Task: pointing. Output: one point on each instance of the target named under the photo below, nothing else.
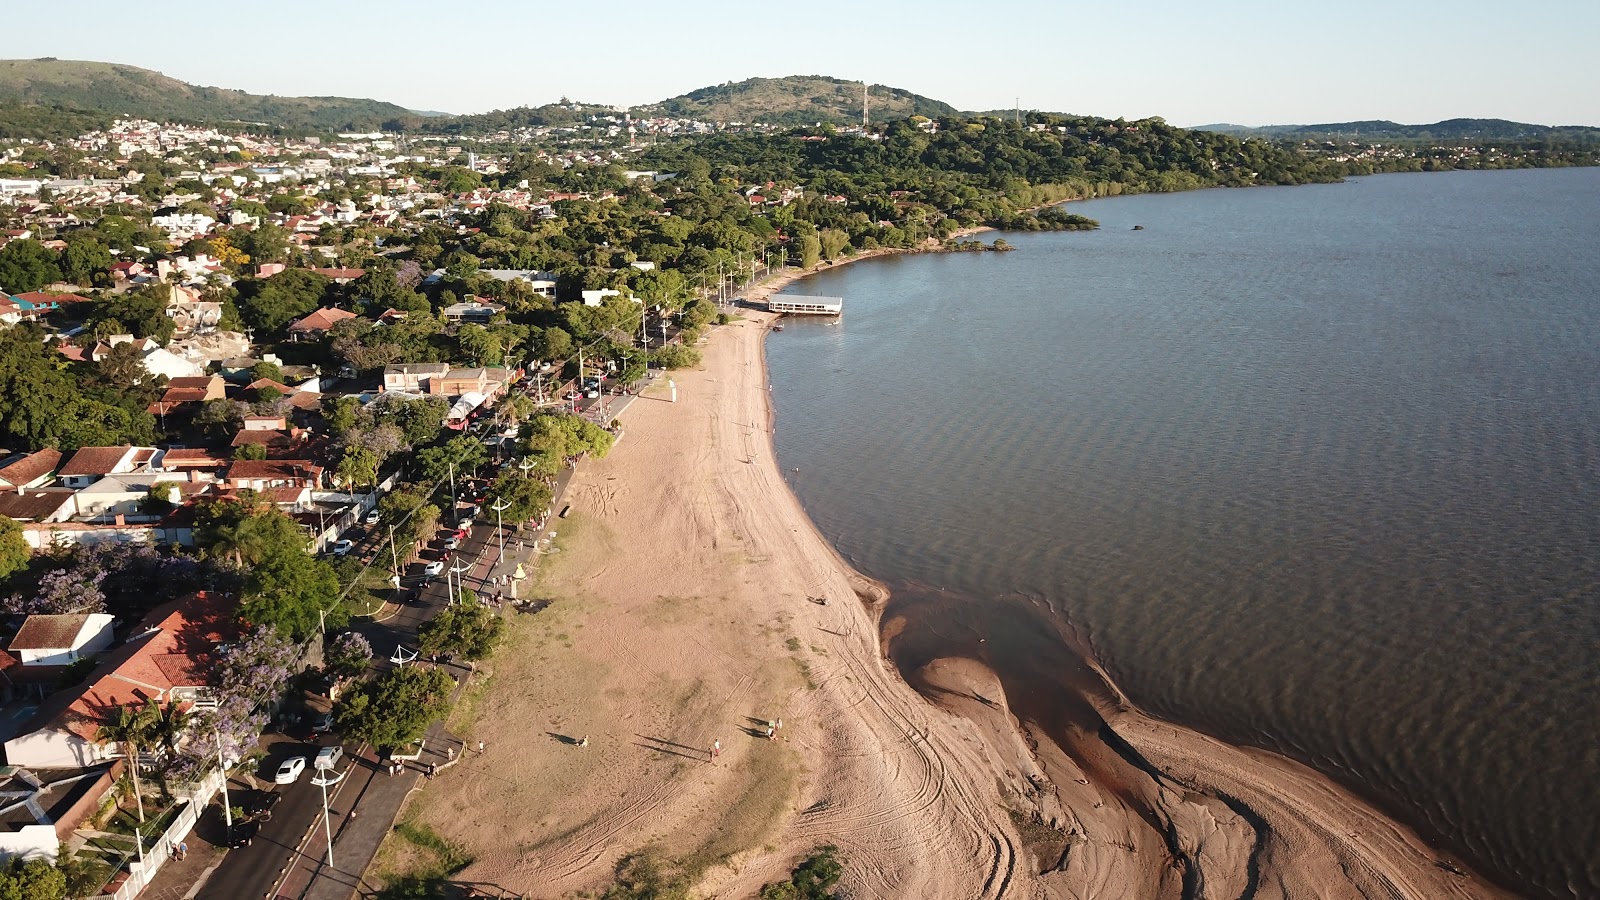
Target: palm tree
(132, 728)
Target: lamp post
(461, 584)
(499, 526)
(323, 780)
(227, 809)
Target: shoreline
(684, 609)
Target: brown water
(1315, 469)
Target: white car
(343, 547)
(434, 568)
(289, 772)
(372, 517)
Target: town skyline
(1222, 64)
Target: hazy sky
(1191, 61)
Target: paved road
(249, 871)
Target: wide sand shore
(685, 609)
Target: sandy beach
(692, 601)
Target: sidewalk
(377, 798)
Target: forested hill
(1447, 130)
(114, 89)
(796, 100)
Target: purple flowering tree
(348, 656)
(251, 674)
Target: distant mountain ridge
(118, 89)
(797, 100)
(1385, 130)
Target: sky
(1196, 62)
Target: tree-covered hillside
(131, 91)
(796, 100)
(1447, 130)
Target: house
(167, 660)
(185, 394)
(38, 504)
(316, 324)
(474, 311)
(340, 276)
(117, 499)
(31, 469)
(90, 464)
(595, 298)
(43, 807)
(191, 460)
(413, 378)
(62, 640)
(261, 474)
(489, 382)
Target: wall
(52, 749)
(30, 842)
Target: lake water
(1315, 469)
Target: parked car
(244, 833)
(261, 804)
(323, 722)
(452, 542)
(434, 568)
(373, 516)
(328, 757)
(592, 393)
(289, 772)
(343, 547)
(465, 524)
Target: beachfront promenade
(290, 860)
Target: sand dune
(685, 611)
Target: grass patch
(449, 857)
(793, 644)
(805, 673)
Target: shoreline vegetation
(694, 601)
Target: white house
(62, 640)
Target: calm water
(1315, 469)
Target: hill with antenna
(796, 100)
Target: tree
(223, 416)
(268, 370)
(395, 708)
(293, 592)
(358, 466)
(141, 313)
(27, 265)
(462, 455)
(14, 549)
(810, 250)
(250, 451)
(32, 879)
(85, 257)
(813, 879)
(272, 304)
(348, 656)
(34, 388)
(131, 729)
(469, 629)
(518, 497)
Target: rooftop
(32, 466)
(94, 460)
(42, 632)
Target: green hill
(1447, 130)
(796, 100)
(131, 91)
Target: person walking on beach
(716, 748)
(450, 753)
(583, 741)
(772, 733)
(480, 746)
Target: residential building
(28, 470)
(473, 311)
(62, 640)
(90, 464)
(413, 378)
(316, 324)
(167, 660)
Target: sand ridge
(684, 611)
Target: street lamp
(325, 778)
(460, 582)
(499, 526)
(227, 809)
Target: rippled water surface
(1315, 468)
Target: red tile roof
(40, 632)
(321, 320)
(32, 466)
(94, 460)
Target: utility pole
(394, 556)
(227, 809)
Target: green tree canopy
(270, 305)
(462, 454)
(27, 265)
(395, 708)
(468, 629)
(517, 496)
(14, 549)
(33, 879)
